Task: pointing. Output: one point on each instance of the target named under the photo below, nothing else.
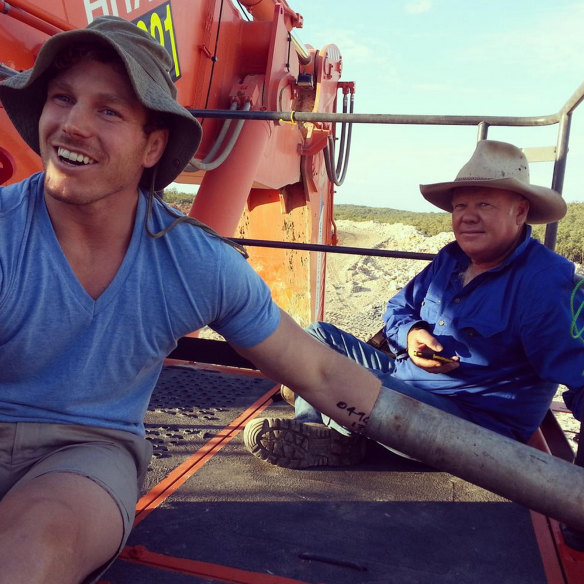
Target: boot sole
(291, 444)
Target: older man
(483, 332)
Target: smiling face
(92, 139)
(487, 223)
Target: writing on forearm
(361, 418)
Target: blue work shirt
(511, 328)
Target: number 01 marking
(161, 28)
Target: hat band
(477, 178)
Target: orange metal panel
(224, 191)
(287, 272)
(22, 160)
(562, 564)
(218, 56)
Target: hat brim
(23, 97)
(545, 205)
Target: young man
(90, 304)
(482, 333)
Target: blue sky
(449, 57)
(488, 57)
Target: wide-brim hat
(499, 165)
(147, 64)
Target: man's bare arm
(332, 383)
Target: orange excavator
(274, 149)
(259, 179)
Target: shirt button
(457, 300)
(441, 322)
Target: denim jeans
(379, 363)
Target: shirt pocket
(431, 308)
(488, 337)
(483, 327)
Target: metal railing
(562, 119)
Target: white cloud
(418, 6)
(552, 40)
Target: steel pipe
(407, 119)
(523, 474)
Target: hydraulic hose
(336, 174)
(207, 163)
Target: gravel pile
(358, 287)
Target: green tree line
(570, 237)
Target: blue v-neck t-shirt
(68, 358)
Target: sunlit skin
(92, 115)
(61, 526)
(488, 225)
(92, 110)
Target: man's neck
(94, 239)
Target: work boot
(287, 395)
(292, 444)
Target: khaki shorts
(115, 460)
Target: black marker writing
(357, 426)
(352, 411)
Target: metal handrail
(364, 251)
(403, 119)
(563, 118)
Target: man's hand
(421, 341)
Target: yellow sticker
(158, 22)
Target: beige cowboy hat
(499, 165)
(147, 64)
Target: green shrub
(570, 238)
(429, 224)
(172, 195)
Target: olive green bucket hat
(147, 64)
